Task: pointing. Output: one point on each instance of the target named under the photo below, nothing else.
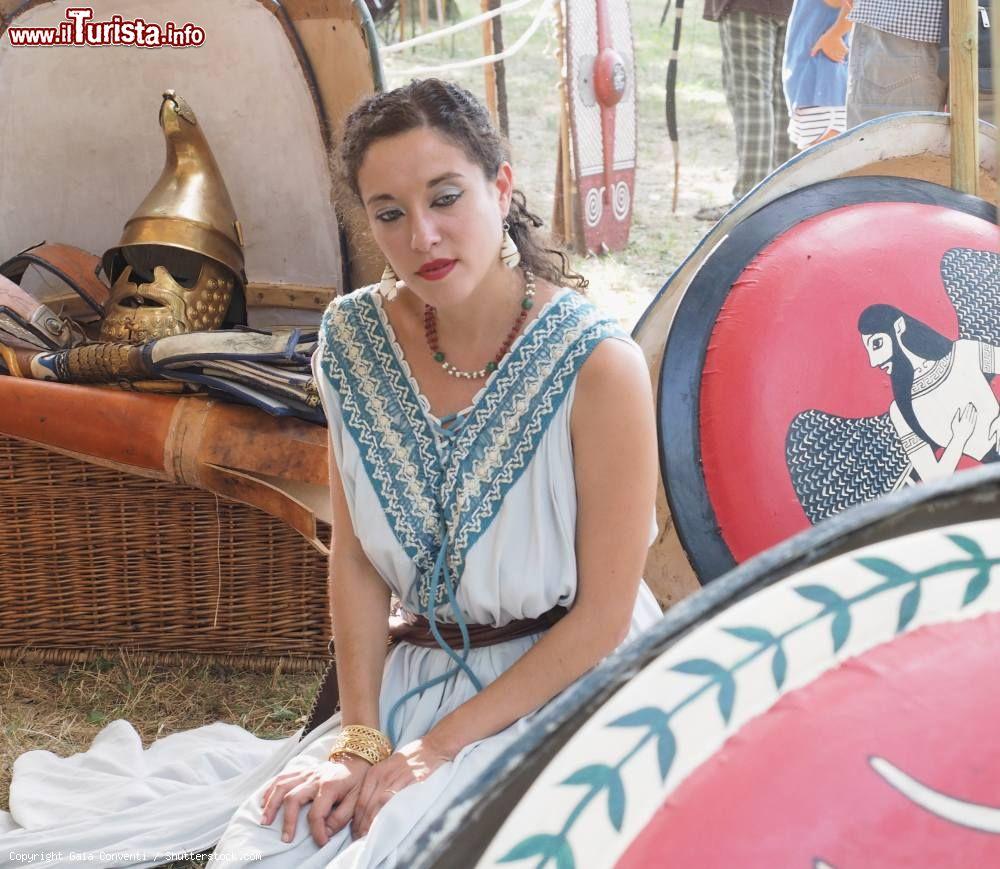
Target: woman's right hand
(332, 788)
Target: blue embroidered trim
(465, 481)
(508, 423)
(396, 448)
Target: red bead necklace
(430, 333)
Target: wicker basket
(93, 560)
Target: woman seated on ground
(493, 466)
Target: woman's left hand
(413, 762)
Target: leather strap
(76, 267)
(416, 630)
(41, 328)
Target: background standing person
(815, 72)
(753, 49)
(893, 65)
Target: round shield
(839, 344)
(913, 145)
(828, 701)
(601, 78)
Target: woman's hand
(328, 785)
(414, 762)
(963, 424)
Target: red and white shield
(601, 79)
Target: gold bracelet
(356, 740)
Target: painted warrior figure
(941, 390)
(943, 406)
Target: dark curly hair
(458, 115)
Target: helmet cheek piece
(140, 311)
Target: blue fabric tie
(441, 572)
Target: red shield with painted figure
(840, 344)
(601, 82)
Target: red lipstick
(436, 269)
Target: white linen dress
(490, 494)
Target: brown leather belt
(416, 630)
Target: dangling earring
(510, 256)
(387, 286)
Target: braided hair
(460, 117)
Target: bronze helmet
(179, 265)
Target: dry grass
(62, 708)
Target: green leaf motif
(908, 607)
(822, 595)
(968, 545)
(666, 749)
(657, 722)
(616, 802)
(840, 628)
(544, 845)
(977, 585)
(727, 696)
(717, 673)
(890, 570)
(779, 667)
(752, 635)
(594, 776)
(650, 717)
(699, 667)
(598, 777)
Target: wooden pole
(404, 10)
(439, 4)
(995, 37)
(963, 94)
(488, 70)
(425, 15)
(563, 211)
(500, 68)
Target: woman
(493, 465)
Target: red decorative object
(786, 341)
(920, 703)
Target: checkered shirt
(919, 20)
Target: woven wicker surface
(93, 559)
